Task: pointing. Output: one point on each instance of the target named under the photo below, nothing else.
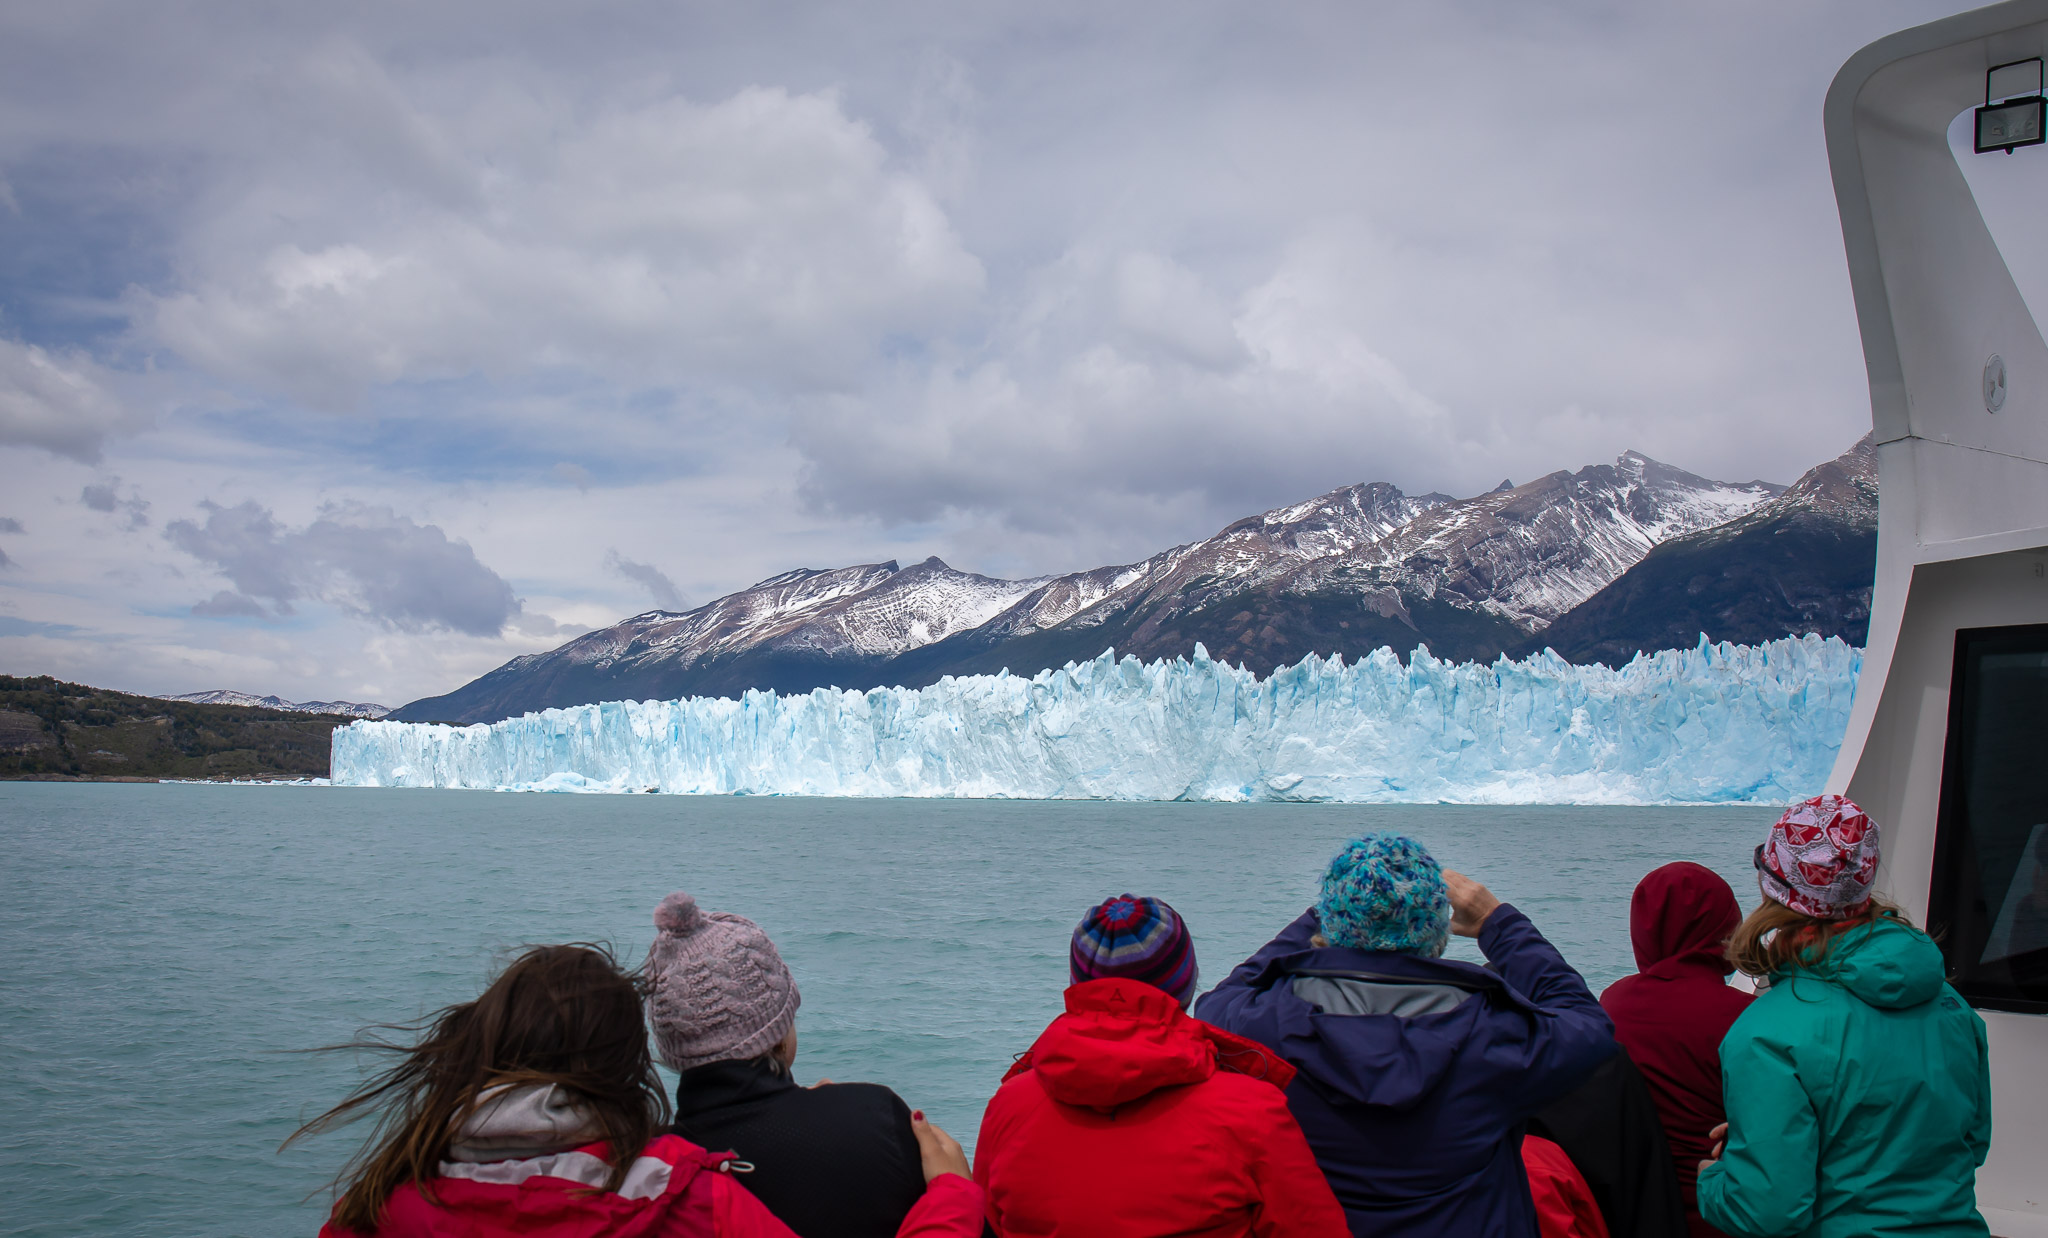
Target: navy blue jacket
(1417, 1120)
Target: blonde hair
(1774, 938)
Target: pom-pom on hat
(1821, 858)
(1135, 939)
(1385, 892)
(717, 989)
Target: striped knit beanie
(1385, 892)
(1136, 939)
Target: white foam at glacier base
(1711, 724)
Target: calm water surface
(164, 950)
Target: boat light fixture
(2016, 119)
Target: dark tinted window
(1990, 896)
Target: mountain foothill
(1599, 564)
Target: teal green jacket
(1859, 1099)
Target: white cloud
(1125, 385)
(59, 402)
(763, 239)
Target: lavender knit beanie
(717, 989)
(1385, 892)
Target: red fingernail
(917, 1115)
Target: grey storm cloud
(367, 560)
(105, 496)
(651, 578)
(9, 524)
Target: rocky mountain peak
(1344, 572)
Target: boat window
(1990, 895)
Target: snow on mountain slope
(1803, 562)
(872, 610)
(1253, 550)
(1344, 572)
(226, 696)
(1531, 553)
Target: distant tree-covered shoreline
(54, 730)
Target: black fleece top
(1609, 1128)
(837, 1161)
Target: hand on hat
(940, 1152)
(1471, 903)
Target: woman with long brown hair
(1857, 1085)
(536, 1109)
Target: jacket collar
(716, 1085)
(515, 1121)
(1388, 967)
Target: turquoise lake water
(166, 950)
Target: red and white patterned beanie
(1821, 858)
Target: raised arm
(1572, 1034)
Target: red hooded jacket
(1128, 1117)
(1672, 1014)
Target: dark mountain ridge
(1803, 562)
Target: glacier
(1710, 724)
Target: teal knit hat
(1384, 892)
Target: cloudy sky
(349, 350)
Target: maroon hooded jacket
(1672, 1014)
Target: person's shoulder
(874, 1098)
(1241, 1096)
(1623, 988)
(866, 1093)
(1955, 1008)
(1790, 1006)
(1020, 1086)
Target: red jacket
(674, 1190)
(1672, 1015)
(1128, 1117)
(1565, 1207)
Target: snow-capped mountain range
(227, 696)
(1803, 562)
(1345, 572)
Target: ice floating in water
(1714, 724)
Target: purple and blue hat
(1136, 938)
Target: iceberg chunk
(1711, 724)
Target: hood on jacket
(1377, 1059)
(1121, 1040)
(510, 1123)
(1887, 964)
(1682, 914)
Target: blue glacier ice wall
(1715, 723)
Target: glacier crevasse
(1711, 724)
